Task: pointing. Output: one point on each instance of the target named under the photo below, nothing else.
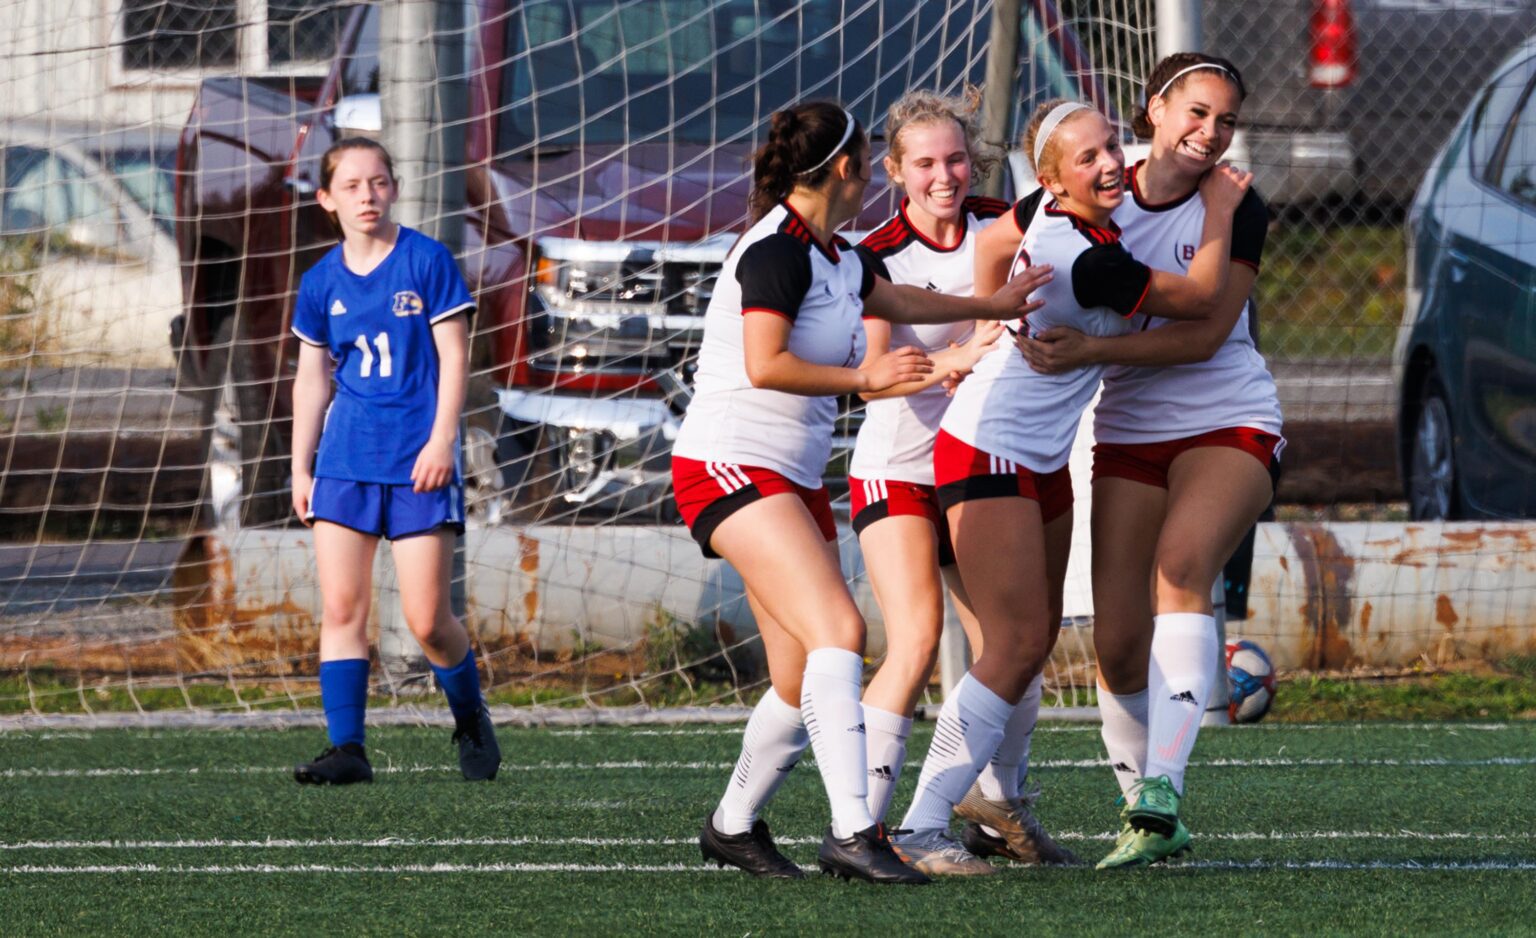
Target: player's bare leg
(795, 575)
(771, 746)
(901, 558)
(344, 562)
(424, 569)
(1214, 495)
(998, 808)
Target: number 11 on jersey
(386, 367)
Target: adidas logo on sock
(883, 773)
(860, 727)
(1183, 697)
(1122, 767)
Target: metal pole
(998, 95)
(1178, 26)
(423, 91)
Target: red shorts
(709, 492)
(1148, 463)
(873, 499)
(964, 472)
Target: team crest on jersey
(407, 303)
(1184, 253)
(338, 308)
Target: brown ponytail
(800, 151)
(1141, 123)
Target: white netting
(147, 558)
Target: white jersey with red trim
(1005, 407)
(777, 268)
(896, 439)
(1234, 388)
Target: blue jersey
(378, 330)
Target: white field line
(636, 764)
(726, 722)
(1470, 866)
(274, 843)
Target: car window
(1492, 115)
(1517, 173)
(35, 197)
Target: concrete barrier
(1322, 595)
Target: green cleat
(1136, 848)
(1154, 807)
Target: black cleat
(867, 855)
(479, 755)
(338, 765)
(753, 851)
(983, 844)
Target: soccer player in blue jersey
(386, 314)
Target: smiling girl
(1000, 460)
(1188, 446)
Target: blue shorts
(387, 511)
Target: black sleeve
(1107, 275)
(775, 275)
(873, 267)
(1024, 210)
(1250, 226)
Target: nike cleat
(1154, 806)
(1136, 848)
(867, 855)
(339, 765)
(936, 853)
(753, 851)
(479, 755)
(1024, 839)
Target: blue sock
(461, 685)
(344, 693)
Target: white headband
(847, 132)
(1048, 126)
(1185, 71)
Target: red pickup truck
(606, 174)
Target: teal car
(1465, 360)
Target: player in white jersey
(1188, 441)
(782, 337)
(1000, 460)
(935, 149)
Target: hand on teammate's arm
(1057, 350)
(1198, 295)
(434, 464)
(1061, 349)
(950, 366)
(771, 365)
(311, 394)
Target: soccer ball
(1250, 682)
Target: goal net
(588, 161)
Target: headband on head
(1185, 71)
(847, 133)
(1048, 126)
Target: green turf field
(1344, 828)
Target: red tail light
(1332, 62)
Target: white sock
(1183, 668)
(885, 752)
(969, 728)
(1000, 779)
(829, 699)
(1125, 734)
(774, 739)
